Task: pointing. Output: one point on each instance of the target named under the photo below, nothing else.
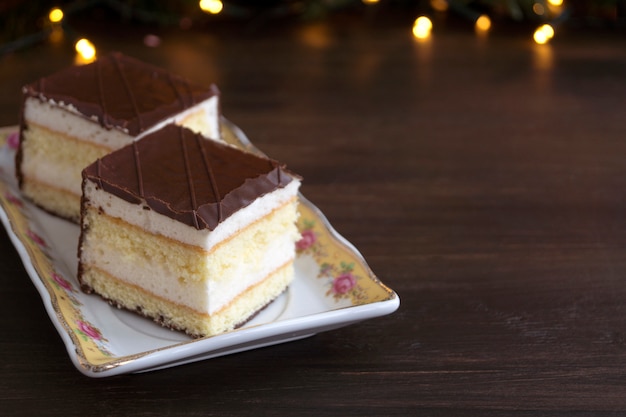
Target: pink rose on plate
(343, 283)
(14, 200)
(307, 240)
(89, 330)
(13, 140)
(36, 238)
(63, 283)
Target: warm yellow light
(424, 22)
(548, 30)
(86, 50)
(543, 34)
(211, 6)
(422, 27)
(370, 1)
(556, 2)
(540, 37)
(55, 15)
(483, 23)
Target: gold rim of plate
(348, 280)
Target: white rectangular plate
(333, 287)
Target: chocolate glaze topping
(121, 92)
(187, 177)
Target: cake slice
(76, 115)
(193, 233)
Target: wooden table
(483, 179)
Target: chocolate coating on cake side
(121, 92)
(187, 177)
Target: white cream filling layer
(66, 119)
(156, 223)
(206, 296)
(63, 177)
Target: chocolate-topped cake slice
(76, 115)
(195, 234)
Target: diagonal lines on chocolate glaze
(211, 175)
(103, 104)
(129, 91)
(192, 189)
(121, 92)
(187, 177)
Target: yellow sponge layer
(59, 149)
(182, 318)
(198, 121)
(60, 202)
(51, 169)
(190, 263)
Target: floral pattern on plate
(343, 277)
(62, 292)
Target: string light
(55, 27)
(539, 37)
(422, 27)
(548, 30)
(483, 23)
(86, 51)
(555, 7)
(55, 15)
(543, 34)
(211, 6)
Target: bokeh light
(483, 23)
(55, 15)
(86, 51)
(539, 9)
(211, 6)
(422, 27)
(543, 34)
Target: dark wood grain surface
(483, 179)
